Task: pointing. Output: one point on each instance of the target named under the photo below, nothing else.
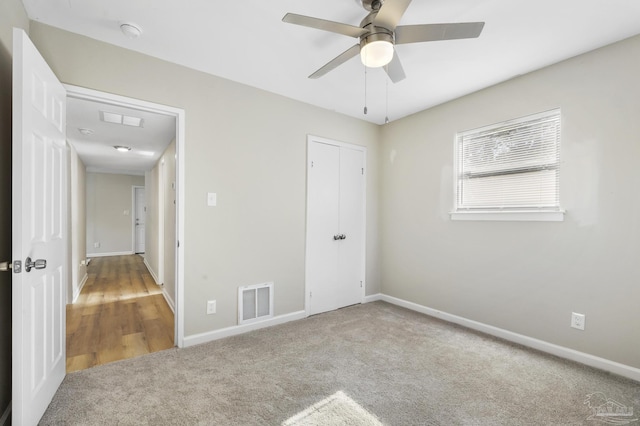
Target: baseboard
(209, 336)
(152, 272)
(5, 416)
(115, 253)
(77, 292)
(561, 351)
(170, 302)
(372, 298)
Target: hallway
(120, 314)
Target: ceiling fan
(379, 32)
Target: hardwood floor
(120, 314)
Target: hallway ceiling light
(122, 148)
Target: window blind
(510, 166)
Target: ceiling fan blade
(338, 60)
(390, 13)
(322, 24)
(434, 32)
(394, 69)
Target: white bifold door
(335, 225)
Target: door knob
(342, 236)
(37, 264)
(336, 237)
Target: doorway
(174, 295)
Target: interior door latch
(8, 266)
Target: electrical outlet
(211, 307)
(577, 321)
(96, 245)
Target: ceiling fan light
(376, 53)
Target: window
(510, 170)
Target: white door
(39, 233)
(323, 225)
(140, 214)
(335, 226)
(352, 214)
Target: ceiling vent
(126, 120)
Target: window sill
(512, 216)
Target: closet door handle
(343, 237)
(336, 237)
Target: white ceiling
(97, 150)
(246, 41)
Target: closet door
(351, 246)
(335, 226)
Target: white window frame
(554, 214)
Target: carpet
(367, 364)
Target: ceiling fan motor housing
(372, 5)
(375, 33)
(384, 35)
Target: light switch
(212, 199)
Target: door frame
(179, 114)
(134, 214)
(363, 262)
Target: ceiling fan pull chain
(386, 104)
(365, 90)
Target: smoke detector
(131, 30)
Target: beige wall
(527, 277)
(152, 232)
(160, 256)
(78, 223)
(12, 14)
(109, 196)
(248, 146)
(169, 261)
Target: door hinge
(312, 164)
(360, 284)
(310, 294)
(363, 171)
(178, 242)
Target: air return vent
(255, 303)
